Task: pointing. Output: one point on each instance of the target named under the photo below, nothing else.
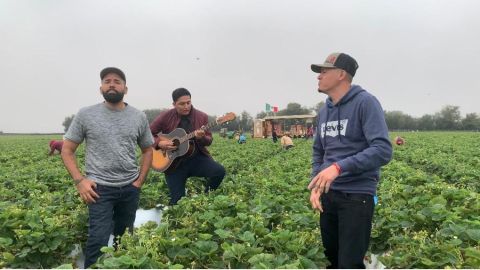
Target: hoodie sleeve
(379, 150)
(318, 152)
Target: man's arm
(319, 177)
(318, 153)
(69, 160)
(84, 185)
(379, 150)
(204, 137)
(145, 163)
(156, 127)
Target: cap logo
(331, 59)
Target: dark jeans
(346, 224)
(198, 165)
(114, 210)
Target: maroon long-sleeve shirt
(169, 120)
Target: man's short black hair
(180, 92)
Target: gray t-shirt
(111, 137)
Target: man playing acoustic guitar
(197, 163)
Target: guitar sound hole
(176, 142)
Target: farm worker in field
(200, 163)
(309, 133)
(242, 139)
(399, 140)
(351, 145)
(112, 179)
(55, 145)
(286, 141)
(274, 135)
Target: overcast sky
(414, 56)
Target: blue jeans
(346, 224)
(113, 212)
(198, 165)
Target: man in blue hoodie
(351, 145)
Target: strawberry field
(427, 216)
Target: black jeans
(346, 224)
(198, 165)
(114, 210)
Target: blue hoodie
(354, 134)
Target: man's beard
(112, 96)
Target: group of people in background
(350, 146)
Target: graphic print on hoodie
(354, 134)
(334, 128)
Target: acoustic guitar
(164, 160)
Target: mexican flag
(268, 107)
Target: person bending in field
(286, 141)
(399, 140)
(309, 133)
(55, 146)
(242, 139)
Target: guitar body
(165, 161)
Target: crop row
(453, 156)
(424, 222)
(427, 216)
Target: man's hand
(137, 183)
(199, 134)
(86, 190)
(166, 144)
(315, 199)
(324, 179)
(320, 184)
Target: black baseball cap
(338, 60)
(114, 70)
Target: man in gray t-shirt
(112, 180)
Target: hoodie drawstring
(325, 131)
(338, 123)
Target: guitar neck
(192, 134)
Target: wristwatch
(77, 181)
